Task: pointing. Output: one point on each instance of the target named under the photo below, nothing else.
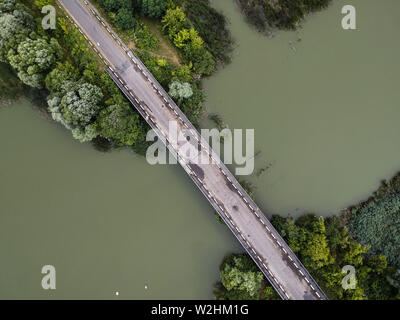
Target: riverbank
(279, 14)
(285, 86)
(325, 113)
(10, 86)
(107, 118)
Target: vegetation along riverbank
(181, 42)
(279, 14)
(80, 95)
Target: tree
(15, 25)
(119, 123)
(153, 8)
(61, 74)
(180, 91)
(85, 134)
(125, 19)
(33, 59)
(80, 105)
(173, 21)
(376, 222)
(240, 277)
(145, 39)
(203, 61)
(76, 107)
(115, 5)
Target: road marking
(156, 125)
(287, 295)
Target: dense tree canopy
(180, 90)
(76, 107)
(282, 14)
(33, 59)
(376, 222)
(115, 5)
(241, 277)
(15, 25)
(120, 123)
(124, 19)
(152, 8)
(324, 247)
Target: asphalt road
(252, 229)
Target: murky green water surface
(107, 222)
(325, 111)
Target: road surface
(252, 229)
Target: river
(107, 222)
(325, 114)
(325, 110)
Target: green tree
(173, 21)
(153, 8)
(180, 91)
(77, 107)
(85, 134)
(15, 25)
(125, 19)
(240, 278)
(119, 123)
(145, 39)
(33, 59)
(80, 105)
(61, 74)
(115, 5)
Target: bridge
(241, 214)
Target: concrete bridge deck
(252, 229)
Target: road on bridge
(252, 229)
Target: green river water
(325, 116)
